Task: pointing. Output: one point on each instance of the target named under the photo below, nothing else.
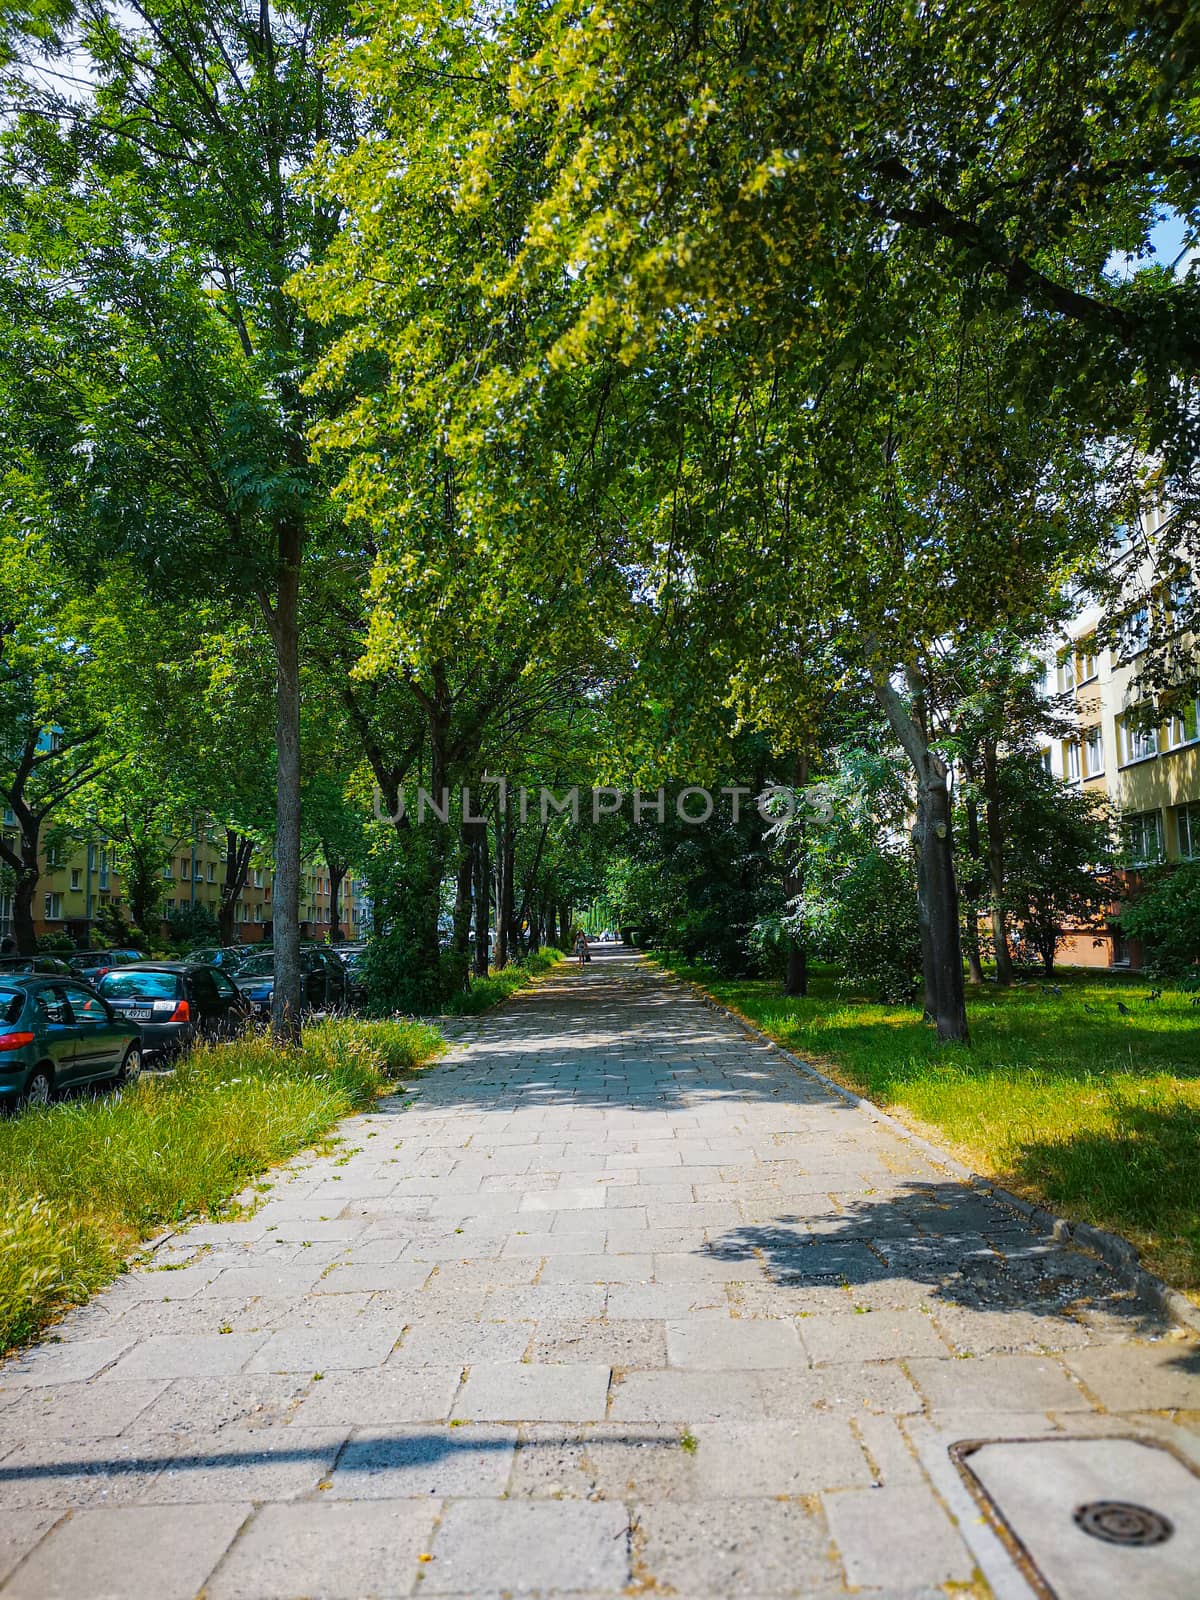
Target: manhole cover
(1121, 1522)
(1090, 1517)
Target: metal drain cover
(1093, 1517)
(1121, 1522)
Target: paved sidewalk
(617, 1301)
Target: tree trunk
(483, 899)
(995, 854)
(24, 898)
(928, 964)
(507, 938)
(285, 898)
(795, 978)
(971, 896)
(238, 853)
(462, 907)
(941, 935)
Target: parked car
(91, 965)
(45, 965)
(228, 957)
(351, 957)
(323, 980)
(56, 1033)
(173, 1003)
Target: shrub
(500, 983)
(1166, 919)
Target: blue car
(56, 1033)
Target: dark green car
(56, 1033)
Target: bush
(499, 984)
(56, 944)
(83, 1181)
(1166, 919)
(193, 924)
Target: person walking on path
(581, 947)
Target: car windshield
(140, 986)
(12, 1003)
(257, 967)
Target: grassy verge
(1068, 1101)
(501, 982)
(82, 1182)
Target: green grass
(1092, 1113)
(501, 982)
(82, 1182)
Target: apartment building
(80, 877)
(1148, 767)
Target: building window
(199, 872)
(1133, 633)
(1066, 670)
(1047, 760)
(77, 877)
(1085, 658)
(212, 872)
(1093, 752)
(1182, 728)
(54, 908)
(183, 868)
(258, 877)
(170, 907)
(53, 856)
(1071, 767)
(1142, 837)
(1187, 828)
(1138, 742)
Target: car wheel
(39, 1091)
(131, 1067)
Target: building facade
(79, 878)
(1146, 766)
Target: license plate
(135, 1015)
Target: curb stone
(1117, 1252)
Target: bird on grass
(1092, 1011)
(1123, 1009)
(1155, 994)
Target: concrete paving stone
(660, 1301)
(427, 1343)
(324, 1349)
(582, 1269)
(161, 1282)
(871, 1336)
(335, 1550)
(243, 1282)
(971, 1331)
(626, 1218)
(585, 1199)
(225, 1233)
(412, 1463)
(20, 1535)
(77, 1472)
(73, 1362)
(707, 1265)
(116, 1553)
(182, 1355)
(687, 1398)
(753, 1545)
(774, 1459)
(892, 1457)
(310, 1311)
(896, 1536)
(626, 1342)
(896, 1293)
(452, 1276)
(997, 1383)
(790, 1300)
(524, 1392)
(524, 1546)
(606, 1461)
(535, 1302)
(380, 1397)
(372, 1277)
(205, 1405)
(544, 1246)
(713, 1340)
(304, 1230)
(1156, 1377)
(260, 1464)
(843, 1386)
(75, 1411)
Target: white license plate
(139, 1016)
